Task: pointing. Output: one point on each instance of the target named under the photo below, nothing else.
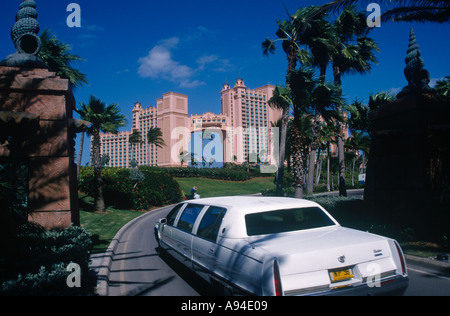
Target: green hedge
(34, 262)
(139, 189)
(229, 174)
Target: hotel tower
(242, 132)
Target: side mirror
(163, 221)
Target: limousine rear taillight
(277, 279)
(401, 257)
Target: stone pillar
(408, 171)
(49, 148)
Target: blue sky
(138, 50)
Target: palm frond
(56, 55)
(437, 11)
(422, 14)
(268, 47)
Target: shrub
(40, 260)
(229, 174)
(138, 189)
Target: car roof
(239, 206)
(254, 203)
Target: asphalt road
(137, 269)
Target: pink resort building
(242, 132)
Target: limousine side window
(173, 214)
(210, 224)
(187, 219)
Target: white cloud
(191, 84)
(205, 60)
(214, 63)
(160, 63)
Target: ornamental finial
(415, 73)
(24, 35)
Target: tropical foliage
(311, 40)
(155, 137)
(437, 11)
(123, 190)
(56, 55)
(443, 86)
(103, 118)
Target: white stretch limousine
(279, 246)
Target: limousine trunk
(342, 258)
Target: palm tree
(328, 135)
(183, 156)
(318, 37)
(105, 119)
(359, 142)
(288, 35)
(56, 55)
(437, 11)
(320, 100)
(155, 137)
(354, 54)
(298, 30)
(134, 138)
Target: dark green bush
(139, 189)
(36, 260)
(229, 174)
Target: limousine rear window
(281, 221)
(210, 224)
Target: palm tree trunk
(80, 154)
(341, 184)
(319, 169)
(312, 156)
(311, 165)
(299, 171)
(297, 154)
(280, 170)
(99, 201)
(328, 167)
(353, 171)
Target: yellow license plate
(341, 275)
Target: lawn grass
(213, 188)
(104, 226)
